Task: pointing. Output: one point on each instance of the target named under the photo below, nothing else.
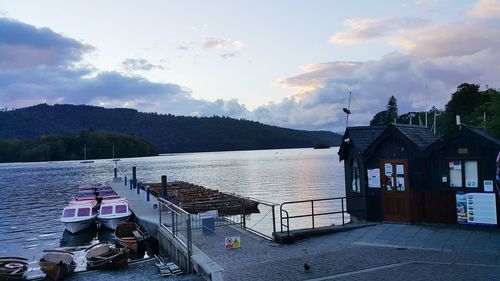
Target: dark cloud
(24, 46)
(139, 64)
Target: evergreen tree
(387, 116)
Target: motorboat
(128, 234)
(113, 211)
(107, 195)
(106, 256)
(79, 215)
(57, 264)
(82, 195)
(13, 268)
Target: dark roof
(361, 137)
(418, 137)
(483, 134)
(421, 136)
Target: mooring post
(125, 181)
(164, 186)
(116, 172)
(243, 211)
(134, 176)
(131, 184)
(147, 193)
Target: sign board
(374, 178)
(232, 242)
(212, 214)
(476, 208)
(488, 185)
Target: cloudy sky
(286, 63)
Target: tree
(387, 116)
(468, 102)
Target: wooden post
(134, 177)
(164, 190)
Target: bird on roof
(306, 267)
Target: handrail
(284, 214)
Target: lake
(34, 194)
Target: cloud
(361, 30)
(38, 65)
(139, 64)
(24, 46)
(439, 57)
(229, 55)
(216, 43)
(183, 48)
(485, 9)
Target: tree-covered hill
(168, 133)
(98, 145)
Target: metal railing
(228, 214)
(285, 214)
(178, 223)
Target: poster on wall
(374, 178)
(476, 208)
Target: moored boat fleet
(91, 205)
(95, 203)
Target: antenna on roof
(347, 110)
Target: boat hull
(111, 223)
(57, 264)
(57, 271)
(130, 236)
(106, 256)
(12, 268)
(77, 226)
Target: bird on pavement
(306, 267)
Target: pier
(373, 252)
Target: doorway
(396, 192)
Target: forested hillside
(97, 145)
(168, 133)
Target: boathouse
(404, 173)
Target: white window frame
(355, 176)
(469, 173)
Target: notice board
(476, 208)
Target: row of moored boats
(95, 203)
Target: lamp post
(347, 110)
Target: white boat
(79, 215)
(113, 211)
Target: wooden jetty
(198, 199)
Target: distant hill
(167, 132)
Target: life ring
(14, 265)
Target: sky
(285, 63)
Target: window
(69, 213)
(463, 171)
(121, 209)
(84, 212)
(356, 185)
(106, 210)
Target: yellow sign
(232, 242)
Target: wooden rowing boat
(57, 264)
(128, 234)
(106, 256)
(13, 268)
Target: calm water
(34, 194)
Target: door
(396, 192)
